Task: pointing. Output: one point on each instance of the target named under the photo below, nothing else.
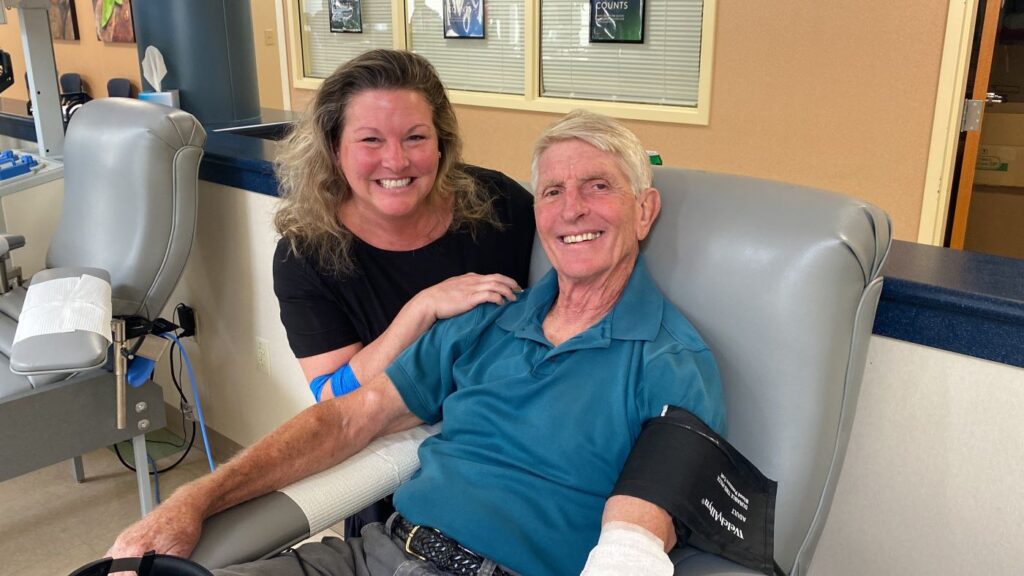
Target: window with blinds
(323, 50)
(534, 54)
(493, 63)
(664, 69)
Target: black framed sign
(346, 15)
(617, 21)
(463, 18)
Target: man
(542, 400)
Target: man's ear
(650, 206)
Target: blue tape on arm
(343, 381)
(316, 386)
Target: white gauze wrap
(65, 305)
(625, 548)
(380, 468)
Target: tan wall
(96, 61)
(831, 94)
(300, 98)
(827, 94)
(268, 70)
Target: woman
(383, 229)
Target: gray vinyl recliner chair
(128, 217)
(781, 281)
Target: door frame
(956, 59)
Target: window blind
(325, 50)
(490, 64)
(662, 70)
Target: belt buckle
(408, 542)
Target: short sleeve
(423, 373)
(684, 378)
(313, 319)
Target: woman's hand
(449, 298)
(460, 294)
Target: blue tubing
(195, 397)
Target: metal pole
(120, 371)
(146, 502)
(33, 19)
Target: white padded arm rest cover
(70, 334)
(266, 525)
(336, 493)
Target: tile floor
(50, 526)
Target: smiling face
(388, 152)
(589, 220)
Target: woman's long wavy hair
(312, 185)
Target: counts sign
(616, 20)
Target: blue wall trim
(959, 301)
(240, 161)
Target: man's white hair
(605, 134)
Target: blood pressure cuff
(720, 503)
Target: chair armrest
(79, 349)
(266, 525)
(10, 242)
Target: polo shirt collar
(636, 316)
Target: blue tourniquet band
(316, 385)
(342, 380)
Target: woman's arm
(443, 300)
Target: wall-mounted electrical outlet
(262, 355)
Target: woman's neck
(400, 233)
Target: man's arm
(641, 513)
(315, 439)
(635, 538)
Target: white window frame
(532, 100)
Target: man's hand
(172, 528)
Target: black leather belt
(431, 545)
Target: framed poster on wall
(617, 21)
(114, 20)
(346, 16)
(463, 18)
(63, 20)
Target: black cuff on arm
(718, 500)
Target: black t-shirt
(323, 312)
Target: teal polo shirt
(535, 435)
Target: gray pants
(374, 553)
